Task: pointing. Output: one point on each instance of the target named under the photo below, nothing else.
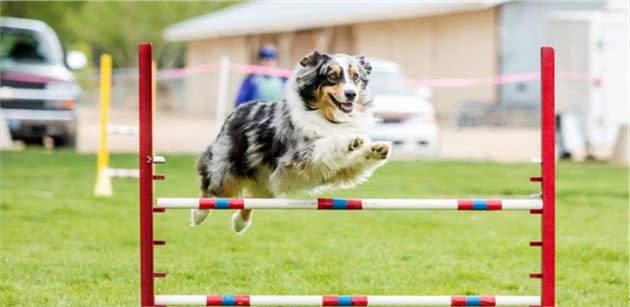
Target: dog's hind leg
(197, 216)
(229, 188)
(241, 219)
(204, 166)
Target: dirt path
(190, 134)
(173, 132)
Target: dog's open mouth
(345, 107)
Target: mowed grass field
(63, 247)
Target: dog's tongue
(346, 106)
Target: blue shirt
(260, 87)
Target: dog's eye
(333, 77)
(355, 77)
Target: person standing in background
(262, 87)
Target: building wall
(338, 39)
(458, 45)
(523, 27)
(292, 46)
(454, 45)
(201, 89)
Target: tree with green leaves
(114, 27)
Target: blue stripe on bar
(222, 203)
(480, 204)
(473, 300)
(344, 301)
(228, 300)
(340, 203)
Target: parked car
(37, 90)
(404, 115)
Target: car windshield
(21, 45)
(389, 82)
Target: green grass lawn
(63, 247)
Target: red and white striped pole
(346, 300)
(349, 204)
(146, 174)
(548, 167)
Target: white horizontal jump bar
(369, 204)
(123, 130)
(376, 300)
(123, 172)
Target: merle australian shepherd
(313, 140)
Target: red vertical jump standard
(548, 151)
(145, 118)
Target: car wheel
(68, 140)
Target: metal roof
(282, 16)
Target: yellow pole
(103, 185)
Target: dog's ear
(364, 63)
(313, 58)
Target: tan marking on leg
(347, 177)
(246, 214)
(347, 174)
(232, 186)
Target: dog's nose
(350, 95)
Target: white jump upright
(104, 173)
(103, 186)
(543, 205)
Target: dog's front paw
(379, 150)
(355, 143)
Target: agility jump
(543, 205)
(104, 173)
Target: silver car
(404, 115)
(37, 90)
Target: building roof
(261, 16)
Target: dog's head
(335, 85)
